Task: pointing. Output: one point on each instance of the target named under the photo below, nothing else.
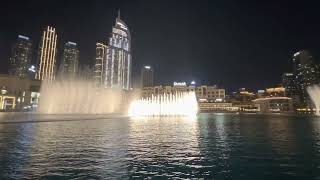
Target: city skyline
(207, 61)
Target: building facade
(203, 93)
(288, 82)
(99, 67)
(118, 57)
(17, 93)
(47, 55)
(21, 57)
(274, 104)
(70, 59)
(146, 76)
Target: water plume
(76, 96)
(314, 93)
(174, 104)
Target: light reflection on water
(211, 146)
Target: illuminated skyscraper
(147, 76)
(99, 67)
(70, 59)
(47, 55)
(306, 73)
(21, 57)
(118, 60)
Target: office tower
(99, 67)
(288, 82)
(70, 59)
(47, 55)
(147, 76)
(118, 60)
(21, 57)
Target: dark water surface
(215, 146)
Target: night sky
(230, 43)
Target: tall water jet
(314, 93)
(73, 96)
(176, 104)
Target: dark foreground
(211, 147)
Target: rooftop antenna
(119, 13)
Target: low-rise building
(203, 93)
(217, 107)
(18, 93)
(274, 104)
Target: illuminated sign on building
(179, 83)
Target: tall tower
(21, 57)
(47, 55)
(306, 73)
(118, 60)
(99, 67)
(70, 59)
(147, 76)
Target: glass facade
(70, 59)
(21, 57)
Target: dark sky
(230, 43)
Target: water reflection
(157, 146)
(212, 146)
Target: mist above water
(76, 96)
(314, 92)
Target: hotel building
(118, 57)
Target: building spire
(119, 13)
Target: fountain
(75, 96)
(314, 93)
(174, 104)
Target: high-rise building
(288, 82)
(47, 55)
(306, 73)
(147, 76)
(99, 67)
(70, 59)
(118, 60)
(21, 57)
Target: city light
(179, 83)
(32, 68)
(23, 37)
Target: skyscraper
(70, 59)
(118, 60)
(306, 73)
(288, 82)
(47, 55)
(99, 67)
(21, 57)
(147, 76)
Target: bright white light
(193, 83)
(72, 43)
(179, 83)
(32, 68)
(147, 67)
(178, 104)
(23, 37)
(296, 54)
